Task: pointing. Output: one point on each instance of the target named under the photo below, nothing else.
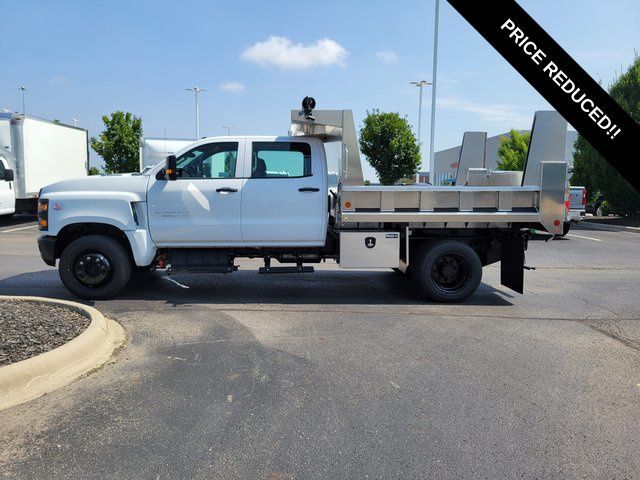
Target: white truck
(577, 203)
(7, 195)
(575, 206)
(267, 197)
(38, 152)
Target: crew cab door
(7, 194)
(203, 206)
(284, 199)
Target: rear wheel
(447, 271)
(95, 267)
(566, 226)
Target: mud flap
(512, 263)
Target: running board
(271, 270)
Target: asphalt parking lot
(348, 374)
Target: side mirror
(170, 171)
(8, 175)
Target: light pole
(197, 90)
(420, 84)
(432, 160)
(23, 89)
(228, 127)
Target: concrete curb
(44, 373)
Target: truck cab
(249, 191)
(7, 192)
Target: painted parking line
(582, 236)
(634, 228)
(17, 229)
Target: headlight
(43, 214)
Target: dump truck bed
(458, 206)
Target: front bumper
(47, 247)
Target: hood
(136, 184)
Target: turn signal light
(43, 214)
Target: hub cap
(450, 272)
(92, 269)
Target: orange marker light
(347, 204)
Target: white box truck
(7, 196)
(155, 150)
(268, 197)
(39, 152)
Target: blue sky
(82, 59)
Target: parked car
(594, 206)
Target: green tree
(94, 171)
(513, 150)
(592, 171)
(119, 143)
(391, 148)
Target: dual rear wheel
(446, 271)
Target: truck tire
(95, 267)
(566, 226)
(447, 271)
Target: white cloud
(493, 113)
(387, 56)
(231, 87)
(283, 53)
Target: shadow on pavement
(248, 287)
(17, 220)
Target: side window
(212, 160)
(280, 160)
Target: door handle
(308, 189)
(226, 190)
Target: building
(446, 161)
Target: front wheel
(447, 271)
(95, 267)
